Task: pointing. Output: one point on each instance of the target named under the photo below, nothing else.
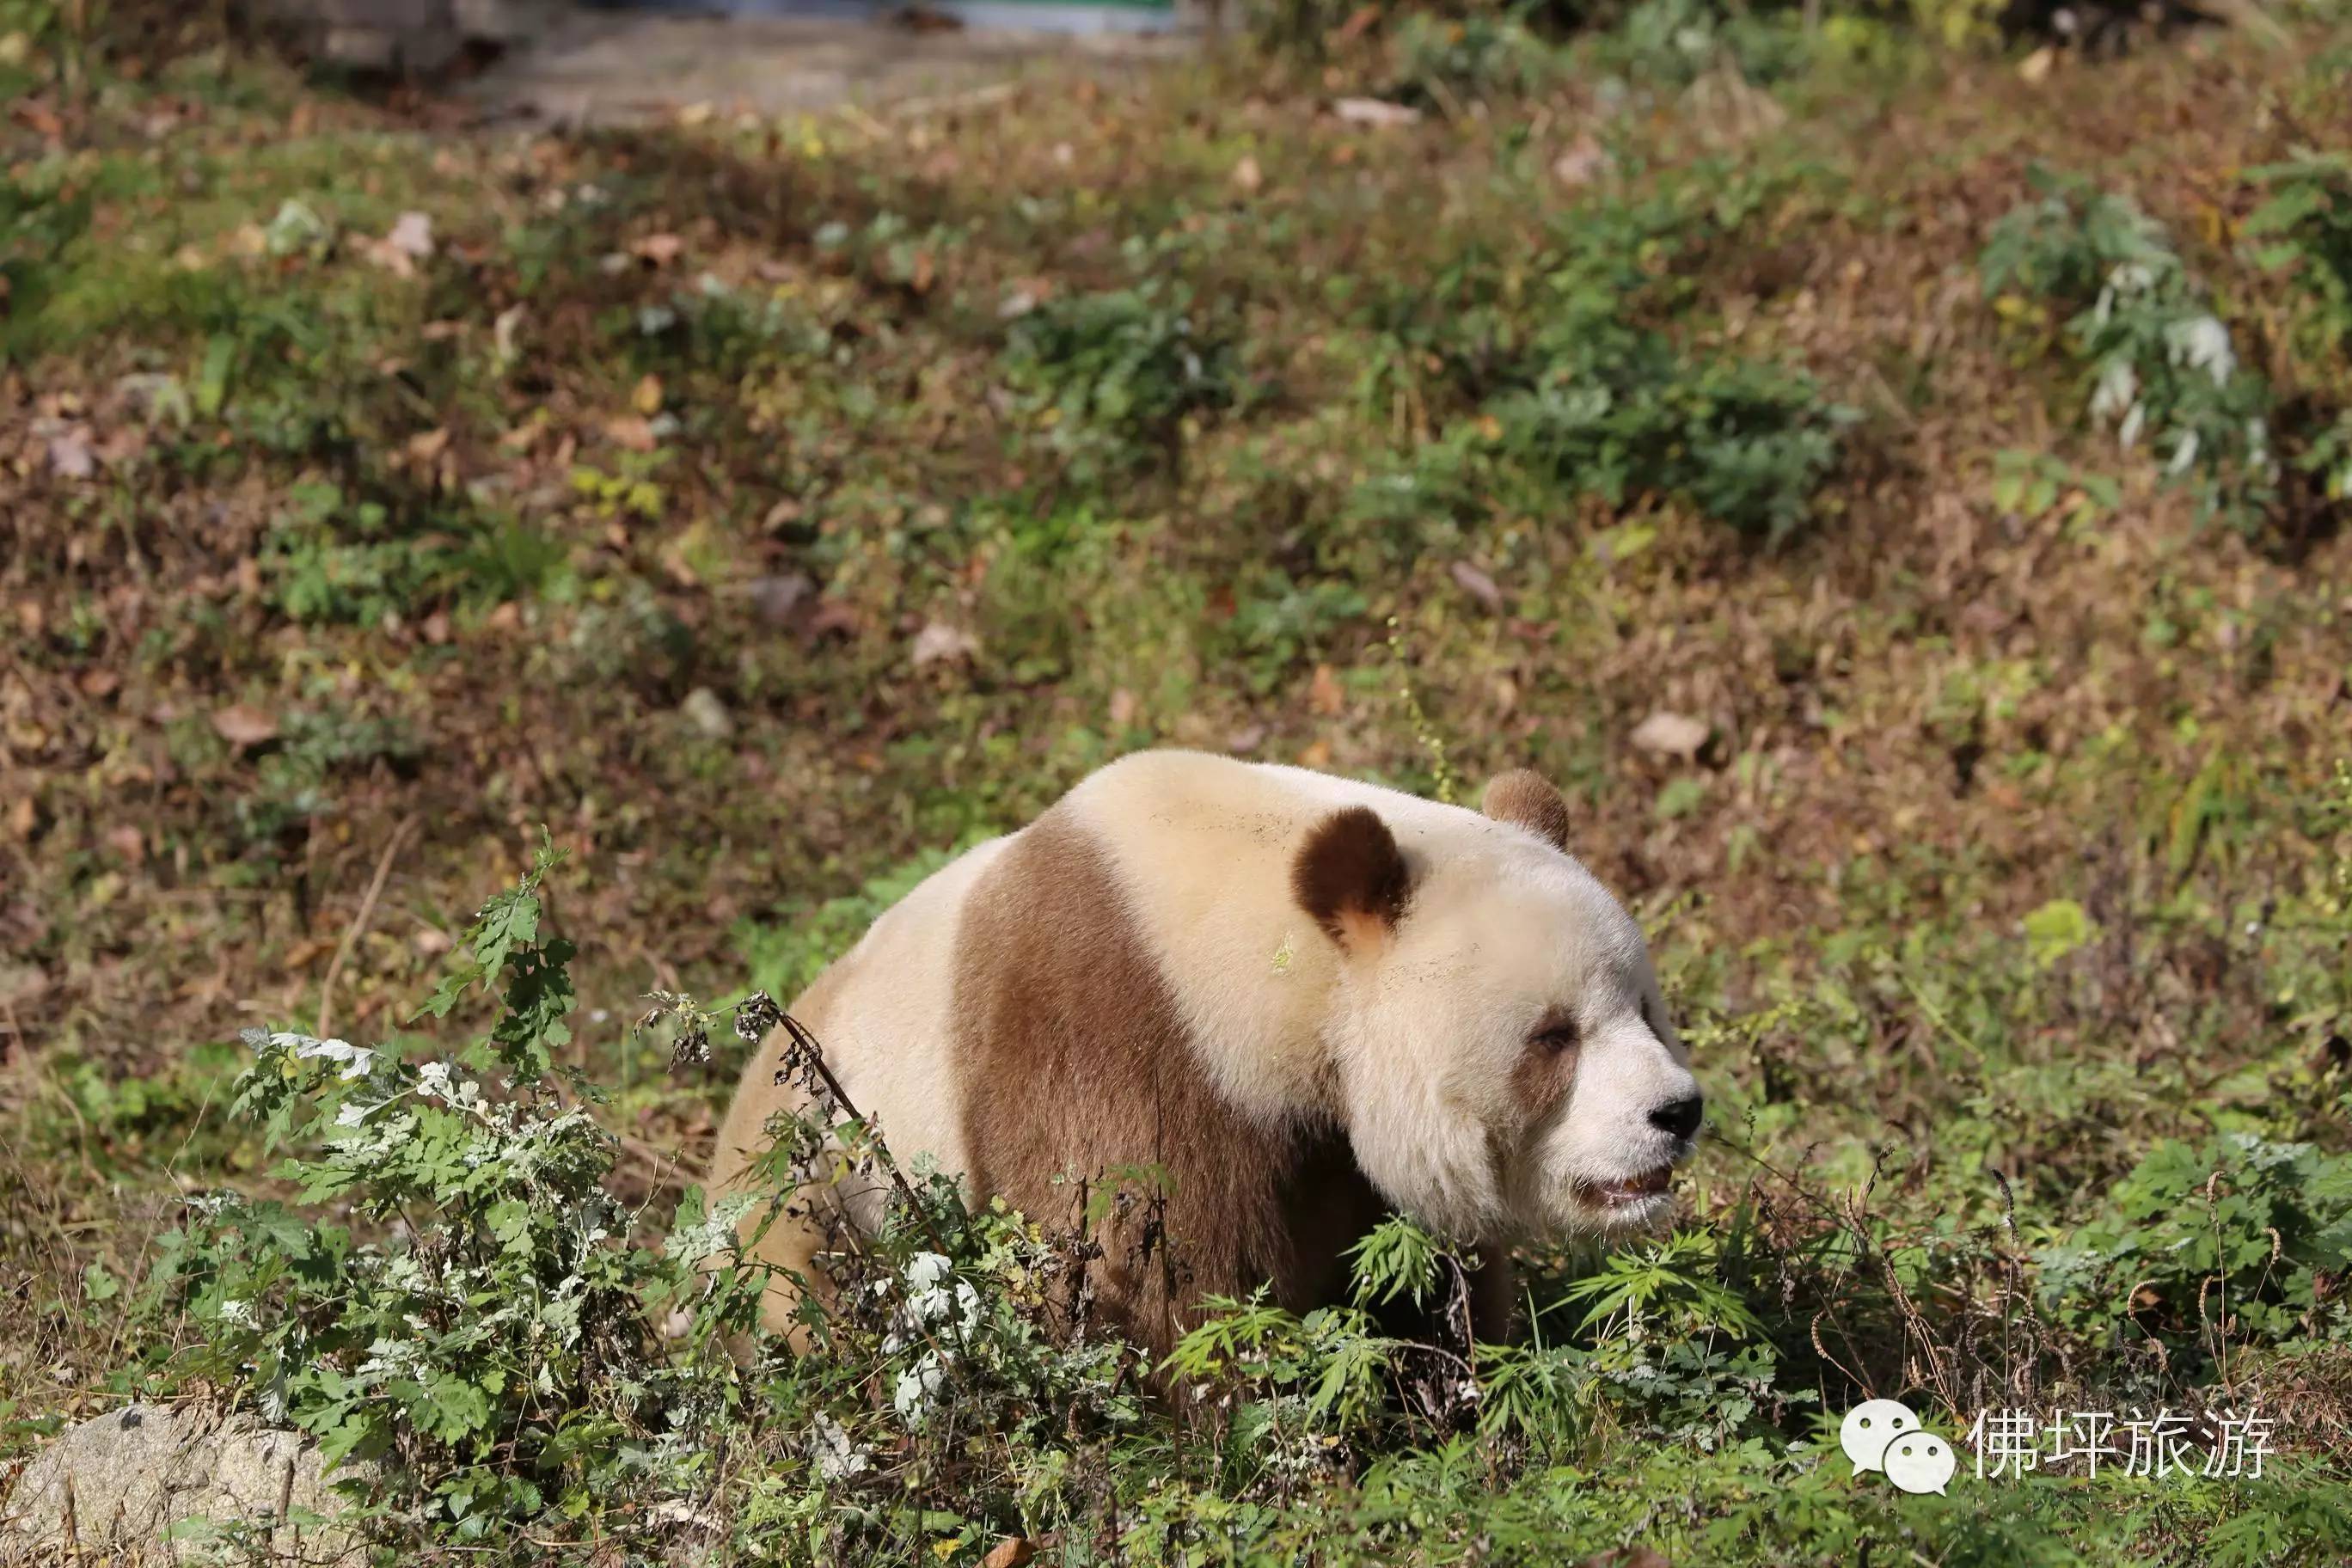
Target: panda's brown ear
(1526, 798)
(1350, 875)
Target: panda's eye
(1555, 1035)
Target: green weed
(1114, 374)
(452, 1285)
(1671, 43)
(1450, 61)
(2160, 364)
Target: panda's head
(1504, 1060)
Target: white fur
(889, 1035)
(885, 1027)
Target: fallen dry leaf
(1729, 109)
(406, 243)
(21, 983)
(834, 617)
(777, 598)
(241, 725)
(940, 643)
(1669, 735)
(1581, 164)
(69, 452)
(1010, 1553)
(635, 434)
(412, 235)
(506, 332)
(704, 710)
(1378, 113)
(1324, 694)
(1478, 586)
(37, 117)
(1356, 25)
(661, 249)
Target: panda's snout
(1680, 1117)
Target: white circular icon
(1920, 1462)
(1870, 1426)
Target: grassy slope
(553, 532)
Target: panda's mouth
(1628, 1192)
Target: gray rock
(418, 36)
(381, 50)
(130, 1476)
(707, 714)
(507, 21)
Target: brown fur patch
(1547, 1064)
(1076, 1061)
(1541, 1076)
(1350, 875)
(1526, 798)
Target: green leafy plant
(2235, 1241)
(1662, 1288)
(475, 1315)
(2304, 227)
(2160, 365)
(1620, 413)
(1673, 42)
(316, 752)
(1596, 399)
(1450, 61)
(1116, 371)
(2035, 484)
(450, 1284)
(2304, 223)
(334, 559)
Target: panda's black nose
(1679, 1117)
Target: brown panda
(1306, 1000)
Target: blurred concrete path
(602, 66)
